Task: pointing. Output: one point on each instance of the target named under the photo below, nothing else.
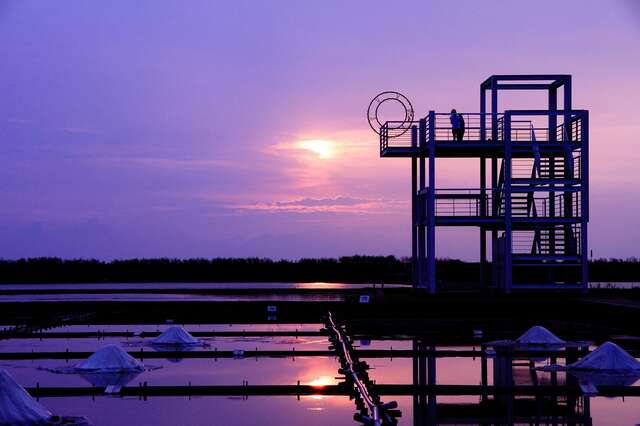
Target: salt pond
(306, 410)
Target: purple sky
(172, 128)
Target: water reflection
(80, 287)
(207, 411)
(176, 348)
(102, 380)
(507, 407)
(166, 297)
(606, 379)
(422, 408)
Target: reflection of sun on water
(322, 148)
(320, 382)
(315, 397)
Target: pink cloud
(334, 205)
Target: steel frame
(560, 238)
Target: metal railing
(540, 205)
(523, 168)
(443, 131)
(560, 240)
(474, 202)
(465, 202)
(577, 166)
(571, 131)
(523, 131)
(398, 134)
(478, 128)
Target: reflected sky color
(272, 410)
(308, 410)
(144, 129)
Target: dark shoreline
(351, 269)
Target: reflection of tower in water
(503, 402)
(424, 375)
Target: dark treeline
(375, 269)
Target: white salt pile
(539, 335)
(175, 335)
(608, 357)
(17, 407)
(110, 358)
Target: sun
(322, 148)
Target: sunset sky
(238, 128)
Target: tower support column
(483, 213)
(414, 212)
(508, 245)
(431, 206)
(422, 275)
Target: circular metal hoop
(374, 106)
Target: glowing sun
(322, 148)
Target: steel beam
(431, 209)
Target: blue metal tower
(533, 200)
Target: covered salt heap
(609, 357)
(111, 358)
(539, 335)
(17, 407)
(176, 336)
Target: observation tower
(532, 196)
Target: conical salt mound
(608, 357)
(175, 336)
(17, 407)
(111, 358)
(539, 335)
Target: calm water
(263, 410)
(34, 292)
(190, 286)
(161, 297)
(278, 410)
(231, 286)
(92, 291)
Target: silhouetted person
(457, 125)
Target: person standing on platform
(457, 126)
